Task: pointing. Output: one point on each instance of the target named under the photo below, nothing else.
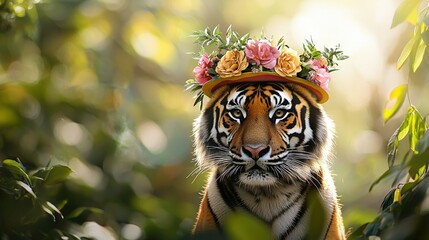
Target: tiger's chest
(270, 207)
(285, 211)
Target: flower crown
(243, 59)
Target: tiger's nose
(255, 151)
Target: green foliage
(82, 95)
(194, 86)
(231, 41)
(317, 216)
(330, 54)
(24, 211)
(415, 48)
(402, 212)
(242, 226)
(24, 10)
(406, 11)
(396, 99)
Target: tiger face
(263, 134)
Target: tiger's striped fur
(267, 146)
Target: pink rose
(262, 53)
(201, 75)
(205, 61)
(321, 77)
(201, 71)
(318, 63)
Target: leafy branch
(24, 204)
(231, 41)
(194, 86)
(401, 208)
(330, 54)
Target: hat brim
(320, 94)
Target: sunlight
(131, 231)
(146, 44)
(94, 37)
(152, 136)
(68, 132)
(88, 174)
(147, 40)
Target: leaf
(396, 99)
(54, 208)
(228, 35)
(419, 55)
(78, 211)
(16, 169)
(418, 164)
(27, 188)
(411, 137)
(199, 99)
(245, 37)
(417, 38)
(216, 31)
(405, 126)
(243, 226)
(392, 148)
(388, 200)
(413, 201)
(51, 209)
(423, 144)
(425, 34)
(48, 211)
(408, 186)
(61, 204)
(406, 10)
(389, 172)
(387, 220)
(417, 128)
(401, 174)
(57, 174)
(373, 228)
(405, 53)
(317, 216)
(358, 233)
(7, 183)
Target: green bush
(404, 211)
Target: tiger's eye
(279, 113)
(236, 113)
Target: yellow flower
(288, 63)
(231, 64)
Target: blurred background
(98, 85)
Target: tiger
(267, 146)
